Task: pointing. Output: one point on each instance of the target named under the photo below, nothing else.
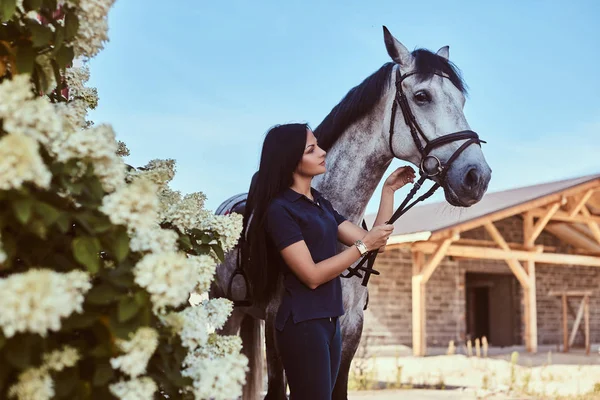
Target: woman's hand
(377, 237)
(399, 178)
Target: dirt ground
(545, 375)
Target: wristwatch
(361, 247)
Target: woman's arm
(348, 232)
(299, 260)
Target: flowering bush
(97, 259)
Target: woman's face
(313, 159)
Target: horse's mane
(361, 99)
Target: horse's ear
(395, 49)
(444, 52)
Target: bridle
(440, 170)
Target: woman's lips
(323, 163)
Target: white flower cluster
(36, 383)
(206, 268)
(229, 227)
(161, 172)
(93, 26)
(76, 77)
(167, 198)
(36, 300)
(196, 323)
(23, 113)
(154, 240)
(217, 378)
(189, 213)
(134, 205)
(135, 389)
(20, 162)
(220, 346)
(73, 116)
(99, 146)
(61, 359)
(138, 351)
(186, 213)
(58, 129)
(168, 277)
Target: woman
(292, 236)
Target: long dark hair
(281, 153)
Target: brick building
(510, 268)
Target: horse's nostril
(471, 179)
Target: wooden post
(529, 291)
(419, 336)
(565, 326)
(531, 300)
(586, 312)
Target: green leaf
(120, 245)
(59, 39)
(64, 56)
(128, 307)
(8, 9)
(94, 223)
(18, 353)
(64, 222)
(185, 242)
(22, 208)
(79, 321)
(48, 213)
(86, 251)
(57, 75)
(40, 34)
(94, 188)
(25, 59)
(219, 251)
(71, 25)
(103, 374)
(65, 382)
(102, 294)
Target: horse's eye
(422, 97)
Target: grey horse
(361, 146)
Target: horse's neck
(356, 163)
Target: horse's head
(434, 94)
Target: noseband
(440, 170)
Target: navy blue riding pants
(311, 353)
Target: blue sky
(201, 82)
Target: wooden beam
(514, 265)
(570, 293)
(580, 203)
(530, 293)
(592, 224)
(435, 260)
(531, 341)
(577, 322)
(568, 234)
(565, 325)
(419, 334)
(564, 217)
(492, 243)
(574, 315)
(499, 254)
(517, 209)
(586, 313)
(541, 224)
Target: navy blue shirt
(291, 217)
